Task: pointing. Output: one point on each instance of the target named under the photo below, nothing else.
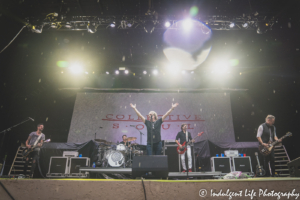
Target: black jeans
(156, 148)
(34, 155)
(270, 158)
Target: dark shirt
(182, 137)
(156, 131)
(127, 143)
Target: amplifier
(221, 164)
(231, 153)
(242, 164)
(70, 154)
(58, 167)
(76, 163)
(294, 167)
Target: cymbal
(104, 142)
(133, 144)
(100, 140)
(129, 139)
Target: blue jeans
(156, 148)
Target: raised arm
(137, 112)
(169, 111)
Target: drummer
(125, 142)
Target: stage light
(187, 24)
(129, 25)
(258, 31)
(62, 72)
(91, 28)
(155, 72)
(144, 72)
(183, 71)
(113, 25)
(192, 72)
(117, 72)
(86, 73)
(126, 71)
(267, 24)
(245, 25)
(167, 24)
(107, 72)
(231, 25)
(76, 68)
(37, 29)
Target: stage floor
(257, 188)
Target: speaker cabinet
(173, 158)
(58, 167)
(294, 167)
(77, 162)
(221, 164)
(155, 166)
(242, 164)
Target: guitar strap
(37, 139)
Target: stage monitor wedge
(155, 166)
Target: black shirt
(127, 143)
(156, 126)
(182, 136)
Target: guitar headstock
(48, 140)
(199, 134)
(288, 134)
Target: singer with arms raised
(154, 127)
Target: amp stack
(231, 162)
(67, 166)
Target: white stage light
(245, 25)
(192, 72)
(107, 72)
(76, 68)
(113, 25)
(167, 24)
(126, 71)
(155, 72)
(187, 24)
(183, 71)
(231, 25)
(144, 72)
(117, 72)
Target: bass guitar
(27, 151)
(182, 150)
(267, 150)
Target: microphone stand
(9, 129)
(152, 124)
(140, 134)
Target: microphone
(132, 125)
(31, 119)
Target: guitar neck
(191, 141)
(274, 143)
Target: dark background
(31, 82)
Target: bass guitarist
(266, 133)
(185, 136)
(34, 138)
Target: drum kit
(117, 155)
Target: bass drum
(114, 158)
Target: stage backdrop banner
(208, 112)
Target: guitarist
(267, 133)
(185, 136)
(32, 139)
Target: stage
(258, 188)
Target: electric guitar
(267, 150)
(182, 150)
(259, 169)
(27, 151)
